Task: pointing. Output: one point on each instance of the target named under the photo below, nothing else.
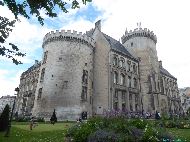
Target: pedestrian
(31, 123)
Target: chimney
(160, 64)
(36, 62)
(98, 24)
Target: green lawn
(183, 134)
(41, 133)
(20, 132)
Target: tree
(53, 118)
(26, 9)
(4, 118)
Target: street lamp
(9, 125)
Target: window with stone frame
(134, 68)
(85, 77)
(122, 79)
(129, 81)
(115, 106)
(129, 65)
(135, 82)
(130, 97)
(121, 62)
(42, 75)
(84, 93)
(123, 106)
(115, 77)
(116, 95)
(136, 99)
(39, 93)
(136, 107)
(131, 107)
(115, 61)
(123, 95)
(45, 57)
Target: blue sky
(168, 19)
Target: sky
(168, 19)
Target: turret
(142, 44)
(68, 35)
(139, 32)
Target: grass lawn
(20, 132)
(183, 134)
(41, 133)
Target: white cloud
(169, 21)
(8, 84)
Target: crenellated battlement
(68, 36)
(139, 32)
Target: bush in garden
(4, 118)
(103, 136)
(117, 129)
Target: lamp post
(9, 125)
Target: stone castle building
(184, 93)
(92, 73)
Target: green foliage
(33, 7)
(27, 8)
(116, 129)
(53, 118)
(12, 51)
(4, 118)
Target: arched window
(115, 61)
(115, 80)
(122, 79)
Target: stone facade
(185, 98)
(93, 73)
(27, 89)
(6, 100)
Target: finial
(139, 25)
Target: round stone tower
(142, 44)
(65, 80)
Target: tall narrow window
(39, 93)
(129, 81)
(85, 77)
(45, 57)
(121, 63)
(123, 106)
(115, 80)
(123, 95)
(42, 75)
(84, 93)
(134, 68)
(135, 82)
(115, 61)
(116, 95)
(115, 107)
(122, 79)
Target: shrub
(4, 118)
(103, 136)
(53, 118)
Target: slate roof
(117, 46)
(165, 72)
